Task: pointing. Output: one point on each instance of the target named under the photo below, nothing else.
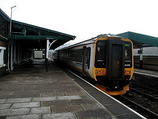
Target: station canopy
(140, 40)
(32, 36)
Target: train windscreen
(128, 55)
(100, 61)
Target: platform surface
(146, 72)
(32, 93)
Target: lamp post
(10, 55)
(10, 30)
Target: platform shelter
(19, 40)
(140, 41)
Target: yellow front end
(103, 71)
(101, 74)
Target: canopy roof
(31, 36)
(35, 37)
(140, 39)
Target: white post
(141, 58)
(10, 29)
(47, 48)
(46, 58)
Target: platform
(146, 72)
(32, 93)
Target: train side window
(70, 54)
(75, 55)
(79, 55)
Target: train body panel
(107, 60)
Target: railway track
(137, 107)
(144, 100)
(149, 93)
(145, 88)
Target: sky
(87, 18)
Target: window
(79, 55)
(100, 54)
(88, 50)
(2, 50)
(128, 55)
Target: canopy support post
(48, 45)
(46, 58)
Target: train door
(85, 59)
(115, 60)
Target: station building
(3, 42)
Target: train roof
(92, 40)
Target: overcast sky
(87, 18)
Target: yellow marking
(100, 71)
(125, 89)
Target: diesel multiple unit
(106, 59)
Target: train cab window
(100, 54)
(128, 55)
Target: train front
(114, 64)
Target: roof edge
(4, 15)
(141, 38)
(41, 28)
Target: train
(105, 59)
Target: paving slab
(8, 112)
(2, 100)
(31, 116)
(5, 106)
(67, 115)
(95, 114)
(44, 99)
(91, 106)
(13, 100)
(73, 97)
(66, 108)
(24, 105)
(40, 110)
(55, 103)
